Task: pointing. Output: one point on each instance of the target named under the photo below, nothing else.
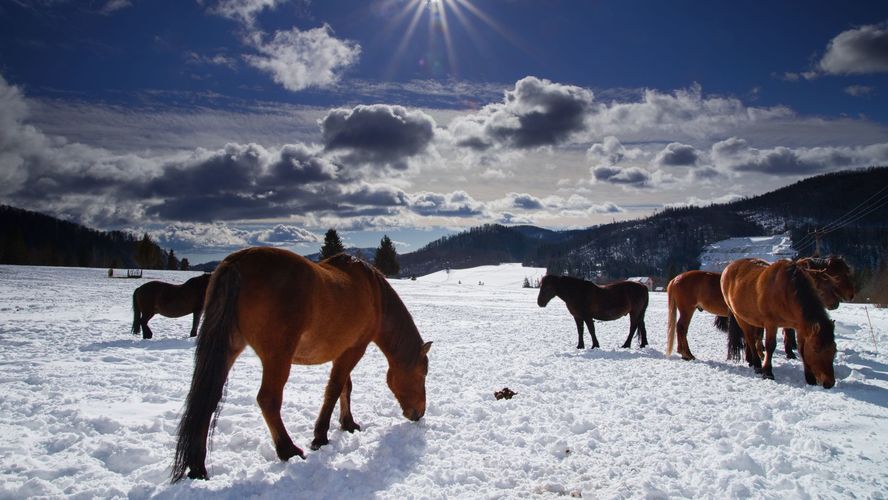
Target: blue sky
(219, 124)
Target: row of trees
(385, 258)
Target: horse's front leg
(591, 324)
(633, 325)
(346, 421)
(789, 343)
(580, 343)
(340, 376)
(770, 346)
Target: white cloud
(299, 59)
(676, 154)
(737, 155)
(859, 90)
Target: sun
(438, 14)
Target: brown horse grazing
(686, 292)
(701, 290)
(172, 301)
(587, 302)
(833, 267)
(293, 311)
(762, 295)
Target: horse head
(827, 288)
(818, 353)
(841, 272)
(407, 383)
(547, 290)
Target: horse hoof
(198, 473)
(288, 451)
(581, 346)
(626, 346)
(689, 357)
(768, 376)
(318, 442)
(757, 369)
(350, 427)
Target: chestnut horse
(701, 290)
(290, 310)
(768, 296)
(587, 302)
(836, 268)
(172, 301)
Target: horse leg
(194, 322)
(633, 325)
(275, 372)
(749, 339)
(591, 324)
(770, 346)
(340, 374)
(146, 332)
(684, 321)
(642, 331)
(580, 343)
(346, 421)
(789, 343)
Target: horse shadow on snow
(153, 345)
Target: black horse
(172, 301)
(587, 302)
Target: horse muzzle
(413, 415)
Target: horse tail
(735, 338)
(670, 322)
(211, 365)
(721, 322)
(137, 327)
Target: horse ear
(425, 348)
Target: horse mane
(812, 308)
(398, 331)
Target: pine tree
(332, 244)
(172, 262)
(145, 252)
(386, 259)
(184, 264)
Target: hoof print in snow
(506, 393)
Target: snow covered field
(87, 410)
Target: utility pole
(817, 233)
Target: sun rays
(441, 16)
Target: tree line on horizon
(385, 258)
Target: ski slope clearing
(718, 255)
(88, 410)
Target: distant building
(718, 255)
(644, 280)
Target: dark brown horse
(701, 290)
(836, 269)
(290, 310)
(172, 301)
(587, 302)
(782, 294)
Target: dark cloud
(298, 165)
(455, 204)
(677, 154)
(234, 169)
(526, 201)
(627, 176)
(737, 155)
(378, 134)
(857, 51)
(535, 113)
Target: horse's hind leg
(275, 373)
(591, 324)
(642, 331)
(194, 322)
(770, 346)
(146, 332)
(346, 421)
(340, 375)
(681, 327)
(580, 343)
(789, 343)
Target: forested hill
(851, 206)
(31, 238)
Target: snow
(718, 255)
(502, 275)
(88, 410)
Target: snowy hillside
(718, 255)
(89, 411)
(502, 275)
